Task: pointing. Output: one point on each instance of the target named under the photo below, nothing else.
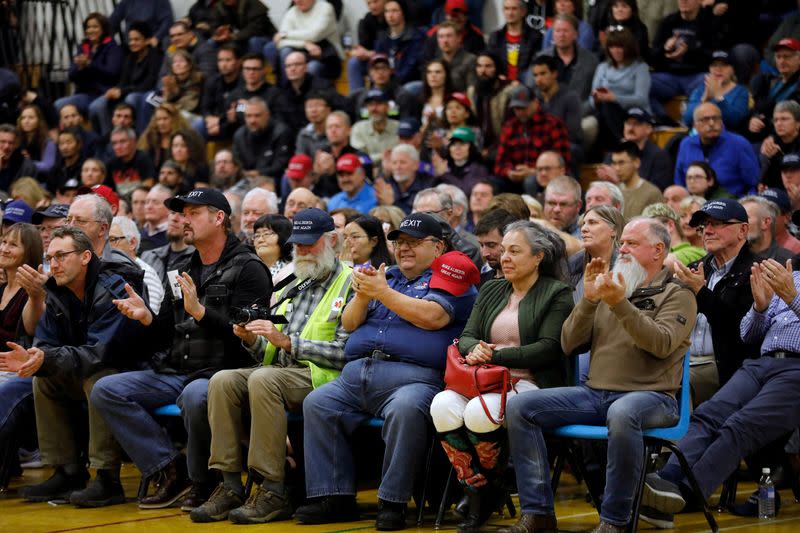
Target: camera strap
(294, 290)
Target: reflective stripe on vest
(321, 325)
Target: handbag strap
(483, 402)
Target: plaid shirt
(521, 144)
(325, 354)
(778, 327)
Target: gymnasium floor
(573, 513)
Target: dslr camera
(243, 315)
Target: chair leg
(576, 461)
(637, 495)
(557, 469)
(144, 485)
(421, 502)
(727, 498)
(440, 513)
(712, 523)
(512, 509)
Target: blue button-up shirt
(778, 327)
(701, 333)
(384, 330)
(363, 201)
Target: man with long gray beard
(637, 320)
(296, 358)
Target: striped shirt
(778, 327)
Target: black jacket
(140, 76)
(724, 308)
(199, 349)
(529, 46)
(267, 151)
(82, 337)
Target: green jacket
(542, 312)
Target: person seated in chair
(516, 323)
(755, 407)
(636, 320)
(400, 325)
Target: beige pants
(268, 392)
(57, 440)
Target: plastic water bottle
(766, 496)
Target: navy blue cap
(721, 55)
(790, 161)
(376, 94)
(408, 127)
(211, 197)
(309, 225)
(17, 211)
(639, 114)
(777, 197)
(52, 211)
(418, 225)
(723, 209)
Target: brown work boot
(172, 485)
(532, 523)
(198, 495)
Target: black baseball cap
(777, 197)
(375, 95)
(407, 128)
(52, 211)
(204, 196)
(790, 161)
(723, 209)
(639, 114)
(520, 97)
(418, 225)
(722, 56)
(309, 225)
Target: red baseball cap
(454, 272)
(788, 42)
(348, 163)
(104, 191)
(455, 5)
(461, 98)
(299, 167)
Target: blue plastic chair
(654, 439)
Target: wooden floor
(573, 514)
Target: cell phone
(45, 265)
(240, 108)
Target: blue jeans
(401, 394)
(755, 407)
(277, 58)
(356, 70)
(125, 401)
(625, 413)
(16, 403)
(664, 85)
(79, 100)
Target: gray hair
(656, 230)
(788, 106)
(101, 207)
(407, 149)
(457, 196)
(564, 185)
(257, 100)
(342, 115)
(612, 189)
(546, 241)
(128, 229)
(445, 200)
(130, 133)
(268, 196)
(767, 209)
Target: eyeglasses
(353, 237)
(615, 27)
(59, 256)
(709, 120)
(717, 224)
(75, 221)
(412, 243)
(115, 240)
(263, 234)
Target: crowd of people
(336, 243)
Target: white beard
(400, 178)
(632, 272)
(315, 267)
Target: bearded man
(296, 358)
(637, 323)
(489, 97)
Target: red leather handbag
(473, 381)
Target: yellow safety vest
(321, 325)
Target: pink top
(505, 333)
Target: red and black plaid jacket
(521, 144)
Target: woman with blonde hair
(29, 191)
(156, 140)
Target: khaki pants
(57, 439)
(268, 392)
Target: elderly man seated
(637, 321)
(755, 407)
(401, 326)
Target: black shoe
(662, 495)
(198, 495)
(750, 507)
(173, 485)
(657, 518)
(328, 510)
(58, 487)
(104, 490)
(391, 516)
